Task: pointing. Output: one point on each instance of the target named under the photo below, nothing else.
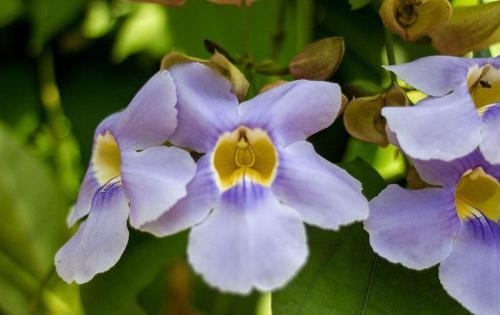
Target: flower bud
(363, 119)
(411, 19)
(319, 60)
(469, 29)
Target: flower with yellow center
(258, 179)
(131, 177)
(461, 113)
(455, 224)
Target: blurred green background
(66, 64)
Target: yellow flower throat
(244, 154)
(484, 86)
(477, 195)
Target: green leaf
(344, 276)
(116, 291)
(32, 228)
(50, 17)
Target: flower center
(477, 195)
(484, 86)
(244, 154)
(406, 12)
(106, 158)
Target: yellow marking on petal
(478, 194)
(244, 153)
(484, 86)
(106, 158)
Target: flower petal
(435, 75)
(206, 106)
(249, 241)
(154, 180)
(100, 240)
(301, 181)
(490, 147)
(82, 206)
(471, 274)
(445, 128)
(441, 173)
(293, 111)
(150, 118)
(202, 193)
(413, 227)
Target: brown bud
(219, 63)
(319, 60)
(411, 19)
(469, 29)
(363, 119)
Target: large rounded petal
(150, 118)
(471, 274)
(82, 206)
(250, 240)
(413, 227)
(100, 240)
(154, 180)
(436, 75)
(202, 193)
(490, 147)
(206, 106)
(445, 128)
(324, 194)
(293, 111)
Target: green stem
(304, 14)
(41, 288)
(278, 37)
(389, 48)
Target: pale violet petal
(249, 241)
(150, 118)
(154, 180)
(490, 147)
(206, 106)
(434, 75)
(82, 206)
(413, 227)
(293, 111)
(324, 194)
(444, 128)
(471, 274)
(202, 193)
(100, 240)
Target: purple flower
(461, 114)
(131, 176)
(258, 179)
(455, 224)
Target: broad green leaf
(49, 17)
(117, 291)
(344, 276)
(32, 216)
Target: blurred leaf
(145, 30)
(32, 228)
(19, 101)
(116, 291)
(98, 20)
(10, 10)
(358, 4)
(343, 275)
(49, 17)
